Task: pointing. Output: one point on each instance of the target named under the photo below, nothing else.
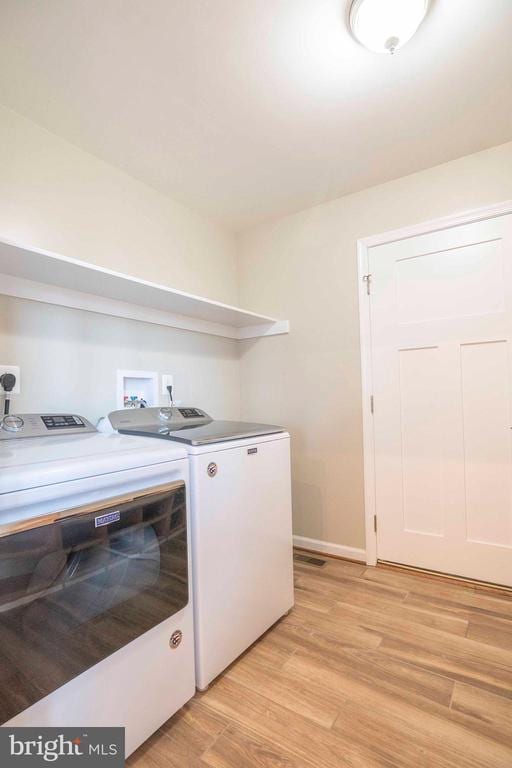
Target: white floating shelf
(31, 273)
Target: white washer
(96, 614)
(241, 526)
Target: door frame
(363, 248)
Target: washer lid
(214, 432)
(41, 461)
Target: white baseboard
(327, 548)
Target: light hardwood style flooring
(373, 667)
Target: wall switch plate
(12, 369)
(167, 381)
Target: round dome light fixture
(384, 26)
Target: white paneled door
(441, 328)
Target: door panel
(456, 282)
(485, 398)
(421, 427)
(441, 328)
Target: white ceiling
(248, 109)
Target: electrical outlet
(167, 381)
(12, 369)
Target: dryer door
(75, 589)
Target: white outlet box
(167, 381)
(12, 369)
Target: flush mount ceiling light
(384, 26)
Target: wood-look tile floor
(373, 667)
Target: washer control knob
(165, 414)
(12, 423)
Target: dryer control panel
(16, 425)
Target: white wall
(57, 197)
(69, 359)
(304, 268)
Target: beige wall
(69, 360)
(304, 268)
(54, 196)
(57, 197)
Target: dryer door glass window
(74, 591)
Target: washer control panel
(191, 413)
(41, 424)
(173, 418)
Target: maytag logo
(31, 747)
(110, 517)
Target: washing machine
(241, 525)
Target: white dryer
(241, 526)
(96, 619)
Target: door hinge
(367, 279)
(371, 404)
(375, 523)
